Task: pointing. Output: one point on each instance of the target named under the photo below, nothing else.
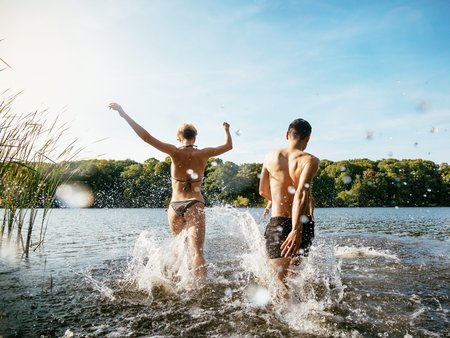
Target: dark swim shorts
(277, 231)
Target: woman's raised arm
(228, 145)
(142, 133)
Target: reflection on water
(117, 272)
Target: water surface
(117, 272)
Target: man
(186, 210)
(285, 181)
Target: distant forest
(350, 183)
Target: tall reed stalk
(33, 156)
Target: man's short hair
(187, 130)
(301, 128)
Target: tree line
(349, 183)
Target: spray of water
(161, 263)
(313, 287)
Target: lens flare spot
(258, 296)
(347, 179)
(75, 195)
(291, 190)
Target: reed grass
(34, 155)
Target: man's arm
(264, 184)
(142, 133)
(300, 204)
(228, 145)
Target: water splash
(314, 286)
(353, 252)
(99, 286)
(242, 278)
(160, 263)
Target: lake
(372, 272)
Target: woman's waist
(183, 195)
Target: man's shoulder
(274, 155)
(303, 158)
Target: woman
(186, 210)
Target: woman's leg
(195, 224)
(176, 222)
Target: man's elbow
(265, 194)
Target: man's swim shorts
(277, 231)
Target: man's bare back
(286, 179)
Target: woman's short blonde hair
(187, 131)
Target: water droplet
(423, 106)
(189, 171)
(347, 179)
(259, 296)
(369, 135)
(194, 175)
(239, 132)
(258, 175)
(214, 164)
(429, 190)
(416, 144)
(342, 168)
(304, 219)
(228, 292)
(291, 190)
(306, 185)
(433, 130)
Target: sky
(371, 77)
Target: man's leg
(281, 265)
(195, 223)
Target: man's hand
(291, 245)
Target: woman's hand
(117, 107)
